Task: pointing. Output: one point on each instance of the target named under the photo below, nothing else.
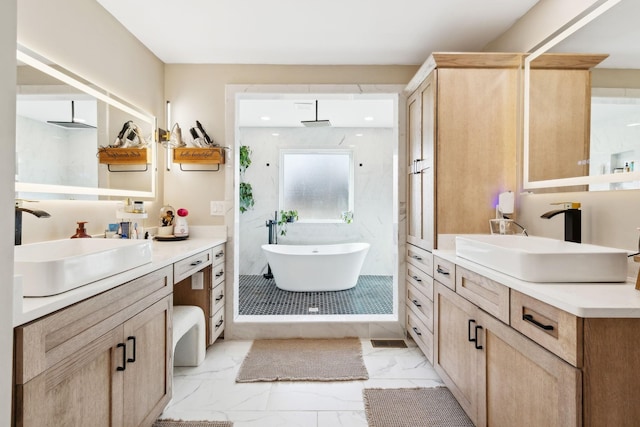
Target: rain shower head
(316, 123)
(73, 124)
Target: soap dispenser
(80, 231)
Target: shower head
(73, 124)
(316, 123)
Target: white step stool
(189, 339)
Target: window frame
(351, 197)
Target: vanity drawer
(218, 254)
(420, 334)
(218, 274)
(217, 298)
(420, 258)
(487, 294)
(421, 280)
(444, 272)
(186, 267)
(216, 325)
(554, 329)
(421, 305)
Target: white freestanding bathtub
(314, 268)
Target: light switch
(217, 207)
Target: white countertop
(604, 300)
(164, 253)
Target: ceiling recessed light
(358, 134)
(265, 118)
(275, 134)
(633, 124)
(369, 118)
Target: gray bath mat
(304, 360)
(179, 423)
(413, 407)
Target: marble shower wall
(373, 198)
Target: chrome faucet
(572, 220)
(18, 221)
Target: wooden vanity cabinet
(499, 377)
(462, 138)
(105, 361)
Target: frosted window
(318, 184)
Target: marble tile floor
(209, 391)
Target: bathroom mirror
(62, 120)
(610, 158)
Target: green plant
(246, 197)
(245, 158)
(286, 217)
(347, 216)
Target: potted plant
(286, 217)
(347, 217)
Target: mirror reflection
(62, 122)
(603, 153)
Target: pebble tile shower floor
(260, 296)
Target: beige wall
(544, 19)
(7, 164)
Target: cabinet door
(525, 385)
(476, 145)
(457, 358)
(421, 131)
(147, 378)
(83, 390)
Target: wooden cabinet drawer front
(190, 265)
(444, 272)
(421, 305)
(420, 258)
(554, 329)
(420, 280)
(46, 341)
(218, 274)
(217, 298)
(420, 334)
(490, 296)
(219, 254)
(216, 325)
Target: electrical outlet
(217, 208)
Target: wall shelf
(124, 157)
(199, 156)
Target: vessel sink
(53, 267)
(539, 259)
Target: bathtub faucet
(272, 225)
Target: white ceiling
(313, 32)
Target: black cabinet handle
(441, 271)
(469, 330)
(198, 262)
(219, 323)
(415, 302)
(419, 258)
(416, 331)
(124, 357)
(220, 254)
(529, 318)
(220, 297)
(478, 347)
(417, 279)
(132, 359)
(220, 273)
